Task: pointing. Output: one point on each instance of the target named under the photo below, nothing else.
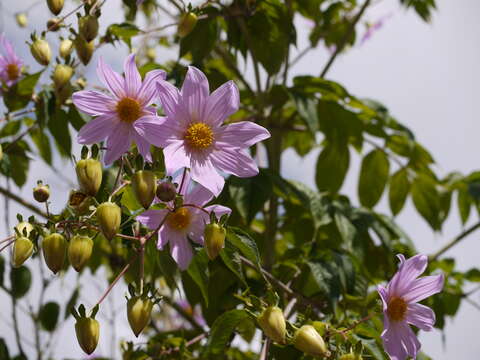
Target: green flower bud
(166, 191)
(21, 19)
(54, 24)
(79, 251)
(214, 235)
(40, 50)
(62, 75)
(186, 24)
(55, 6)
(144, 184)
(41, 192)
(79, 202)
(84, 49)
(88, 332)
(272, 322)
(22, 250)
(54, 250)
(1, 152)
(63, 94)
(88, 27)
(109, 216)
(308, 340)
(89, 175)
(66, 47)
(139, 310)
(350, 357)
(24, 228)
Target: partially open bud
(79, 251)
(24, 229)
(214, 235)
(79, 202)
(21, 19)
(186, 24)
(308, 340)
(41, 192)
(88, 332)
(66, 47)
(62, 75)
(22, 250)
(139, 310)
(109, 216)
(54, 250)
(89, 175)
(54, 24)
(88, 27)
(144, 184)
(272, 322)
(166, 191)
(40, 50)
(55, 6)
(84, 49)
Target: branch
(22, 202)
(189, 343)
(454, 241)
(183, 313)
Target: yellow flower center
(179, 219)
(128, 110)
(397, 309)
(12, 71)
(199, 136)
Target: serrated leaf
(373, 177)
(232, 260)
(243, 242)
(398, 190)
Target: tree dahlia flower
(119, 116)
(193, 134)
(400, 306)
(10, 63)
(187, 222)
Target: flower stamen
(128, 110)
(199, 136)
(12, 71)
(397, 309)
(179, 219)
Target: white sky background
(426, 75)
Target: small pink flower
(193, 134)
(372, 28)
(123, 117)
(400, 306)
(185, 223)
(10, 63)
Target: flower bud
(66, 47)
(139, 310)
(88, 27)
(84, 49)
(62, 75)
(1, 152)
(79, 202)
(272, 322)
(166, 191)
(54, 24)
(24, 228)
(40, 50)
(144, 184)
(308, 340)
(63, 94)
(21, 19)
(89, 175)
(88, 332)
(41, 192)
(54, 250)
(186, 24)
(55, 6)
(109, 216)
(22, 250)
(79, 251)
(350, 357)
(214, 235)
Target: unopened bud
(166, 191)
(272, 322)
(22, 250)
(40, 50)
(54, 24)
(21, 19)
(351, 357)
(109, 216)
(151, 54)
(80, 251)
(66, 47)
(88, 27)
(139, 310)
(89, 175)
(62, 75)
(79, 202)
(144, 184)
(54, 251)
(308, 340)
(84, 49)
(88, 332)
(41, 192)
(186, 24)
(55, 6)
(63, 93)
(214, 235)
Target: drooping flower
(186, 222)
(400, 306)
(193, 134)
(10, 63)
(118, 117)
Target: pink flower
(123, 117)
(10, 63)
(372, 28)
(400, 306)
(185, 223)
(193, 134)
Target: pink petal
(143, 146)
(400, 342)
(152, 218)
(219, 210)
(242, 134)
(184, 182)
(148, 90)
(197, 226)
(93, 103)
(175, 157)
(234, 161)
(205, 174)
(420, 316)
(169, 97)
(222, 103)
(156, 130)
(195, 92)
(383, 295)
(118, 142)
(423, 287)
(111, 79)
(180, 249)
(133, 80)
(163, 237)
(198, 196)
(97, 129)
(408, 271)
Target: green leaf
(48, 315)
(42, 143)
(11, 128)
(19, 169)
(332, 167)
(20, 279)
(123, 31)
(473, 275)
(71, 302)
(426, 199)
(75, 118)
(464, 204)
(398, 190)
(232, 260)
(198, 271)
(19, 95)
(4, 354)
(222, 330)
(202, 40)
(423, 8)
(346, 228)
(373, 177)
(243, 242)
(58, 126)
